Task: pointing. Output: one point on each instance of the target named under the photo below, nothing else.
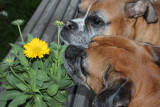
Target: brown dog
(135, 19)
(121, 71)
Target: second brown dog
(121, 71)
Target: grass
(17, 9)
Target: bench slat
(51, 30)
(40, 27)
(34, 19)
(71, 10)
(83, 97)
(70, 13)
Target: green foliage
(35, 82)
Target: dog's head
(116, 68)
(106, 17)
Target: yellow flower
(36, 48)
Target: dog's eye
(96, 21)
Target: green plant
(34, 82)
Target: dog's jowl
(122, 72)
(135, 19)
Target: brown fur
(129, 60)
(134, 28)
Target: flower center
(37, 49)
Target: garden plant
(34, 74)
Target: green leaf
(39, 102)
(39, 83)
(8, 95)
(22, 43)
(3, 103)
(53, 89)
(64, 83)
(51, 101)
(7, 87)
(60, 60)
(55, 54)
(53, 45)
(30, 37)
(12, 80)
(63, 48)
(3, 75)
(42, 76)
(36, 65)
(55, 79)
(47, 64)
(15, 49)
(19, 68)
(66, 76)
(21, 99)
(60, 97)
(23, 60)
(25, 75)
(22, 87)
(46, 97)
(59, 73)
(46, 85)
(33, 77)
(29, 103)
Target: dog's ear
(141, 8)
(154, 51)
(118, 95)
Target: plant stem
(18, 77)
(20, 33)
(55, 71)
(51, 74)
(57, 62)
(58, 34)
(42, 65)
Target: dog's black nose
(71, 25)
(73, 51)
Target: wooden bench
(41, 25)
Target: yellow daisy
(36, 48)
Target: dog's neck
(151, 84)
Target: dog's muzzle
(72, 64)
(69, 28)
(72, 52)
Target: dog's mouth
(72, 64)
